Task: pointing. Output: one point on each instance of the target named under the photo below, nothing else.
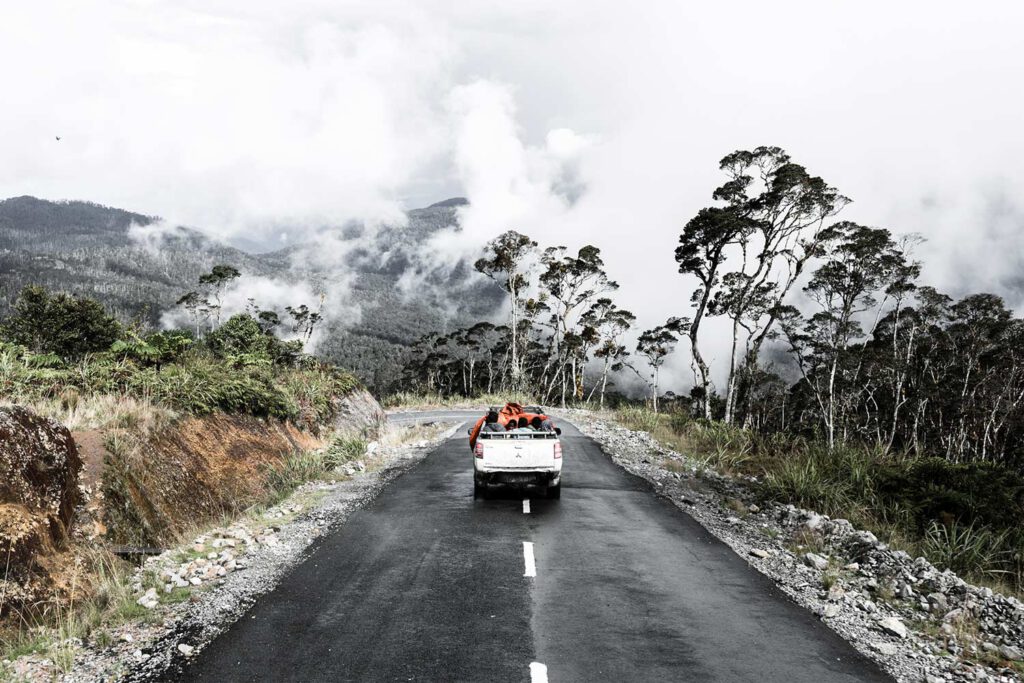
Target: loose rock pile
(212, 556)
(918, 622)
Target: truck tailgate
(512, 453)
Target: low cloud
(250, 292)
(572, 122)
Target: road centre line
(538, 673)
(531, 564)
(526, 506)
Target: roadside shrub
(294, 471)
(155, 349)
(805, 483)
(983, 494)
(679, 422)
(315, 390)
(201, 387)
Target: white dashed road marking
(538, 673)
(531, 565)
(526, 506)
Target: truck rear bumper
(519, 478)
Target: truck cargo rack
(518, 435)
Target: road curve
(427, 584)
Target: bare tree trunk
(730, 394)
(654, 394)
(604, 384)
(830, 419)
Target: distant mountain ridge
(87, 249)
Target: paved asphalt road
(427, 584)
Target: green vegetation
(58, 325)
(423, 400)
(82, 352)
(962, 516)
(68, 358)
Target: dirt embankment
(39, 467)
(192, 472)
(139, 489)
(202, 468)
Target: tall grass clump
(968, 549)
(100, 598)
(343, 450)
(639, 419)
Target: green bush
(196, 382)
(243, 341)
(679, 422)
(59, 324)
(977, 493)
(203, 386)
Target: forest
(880, 357)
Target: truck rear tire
(555, 492)
(478, 488)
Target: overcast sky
(573, 121)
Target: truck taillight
(558, 450)
(479, 450)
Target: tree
(197, 307)
(304, 321)
(216, 280)
(508, 263)
(655, 345)
(60, 324)
(863, 265)
(702, 252)
(609, 323)
(570, 283)
(776, 211)
(241, 340)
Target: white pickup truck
(518, 458)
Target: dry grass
(393, 435)
(427, 401)
(100, 599)
(98, 411)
